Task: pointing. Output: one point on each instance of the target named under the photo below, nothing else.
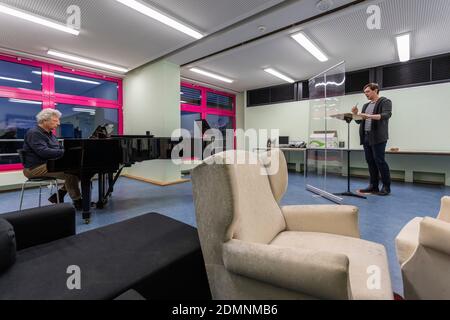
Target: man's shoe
(54, 198)
(385, 191)
(370, 190)
(78, 204)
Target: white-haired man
(40, 146)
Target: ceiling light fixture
(149, 12)
(211, 75)
(303, 40)
(86, 61)
(36, 19)
(24, 101)
(279, 75)
(404, 47)
(14, 80)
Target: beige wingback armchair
(423, 250)
(255, 249)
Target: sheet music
(344, 116)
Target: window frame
(203, 108)
(50, 98)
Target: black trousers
(375, 157)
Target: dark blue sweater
(39, 147)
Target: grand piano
(107, 158)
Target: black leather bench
(155, 256)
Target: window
(27, 86)
(413, 72)
(16, 118)
(441, 68)
(201, 103)
(190, 96)
(269, 95)
(20, 76)
(76, 85)
(188, 121)
(222, 123)
(81, 121)
(218, 101)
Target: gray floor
(381, 218)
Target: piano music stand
(348, 117)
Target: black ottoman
(157, 256)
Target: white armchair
(255, 249)
(423, 250)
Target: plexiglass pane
(81, 121)
(16, 118)
(76, 85)
(21, 76)
(327, 134)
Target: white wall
(420, 118)
(152, 103)
(420, 122)
(292, 119)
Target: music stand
(348, 117)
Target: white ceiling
(115, 34)
(343, 36)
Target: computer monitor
(283, 141)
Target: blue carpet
(381, 218)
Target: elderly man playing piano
(41, 145)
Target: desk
(409, 165)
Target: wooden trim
(156, 182)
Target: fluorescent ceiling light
(86, 61)
(211, 75)
(70, 78)
(310, 46)
(403, 47)
(36, 19)
(14, 80)
(92, 112)
(24, 101)
(146, 10)
(279, 75)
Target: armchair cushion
(407, 240)
(7, 245)
(363, 257)
(319, 274)
(341, 220)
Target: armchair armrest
(324, 275)
(340, 220)
(435, 234)
(42, 225)
(444, 213)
